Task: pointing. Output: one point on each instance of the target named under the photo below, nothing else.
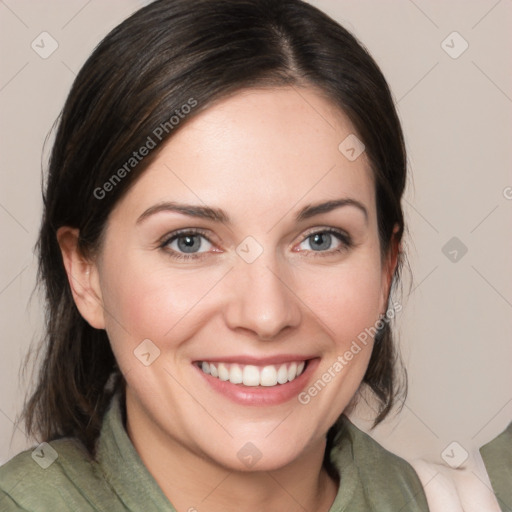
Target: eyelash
(343, 237)
(179, 255)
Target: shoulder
(372, 457)
(497, 457)
(48, 477)
(385, 477)
(498, 452)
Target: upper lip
(258, 361)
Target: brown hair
(143, 72)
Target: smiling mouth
(251, 375)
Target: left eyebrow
(317, 209)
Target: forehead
(260, 151)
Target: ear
(83, 278)
(389, 266)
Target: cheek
(347, 300)
(147, 301)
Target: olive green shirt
(497, 456)
(371, 478)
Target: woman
(221, 233)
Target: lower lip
(261, 395)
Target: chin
(260, 453)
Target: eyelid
(168, 237)
(327, 229)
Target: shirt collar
(126, 474)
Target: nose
(260, 300)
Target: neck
(194, 483)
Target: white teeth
(251, 375)
(268, 376)
(235, 374)
(282, 374)
(223, 372)
(292, 371)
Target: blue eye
(325, 241)
(191, 244)
(187, 244)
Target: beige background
(456, 327)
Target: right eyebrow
(202, 212)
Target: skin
(261, 156)
(465, 489)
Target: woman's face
(248, 255)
